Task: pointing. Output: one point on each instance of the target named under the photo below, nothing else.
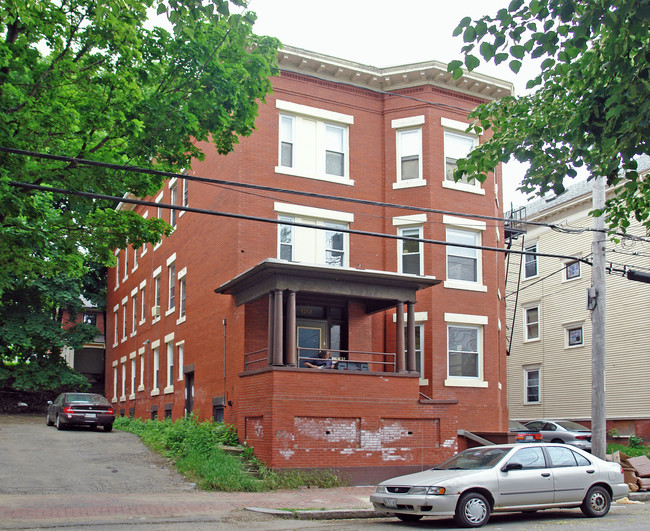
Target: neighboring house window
(530, 261)
(115, 381)
(410, 251)
(135, 259)
(123, 320)
(313, 245)
(123, 396)
(143, 303)
(186, 193)
(155, 312)
(313, 142)
(409, 145)
(458, 146)
(334, 245)
(141, 386)
(173, 196)
(159, 215)
(126, 263)
(572, 270)
(531, 316)
(285, 239)
(463, 262)
(574, 336)
(463, 351)
(90, 318)
(532, 382)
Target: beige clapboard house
(549, 366)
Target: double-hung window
(172, 286)
(411, 251)
(173, 198)
(170, 364)
(156, 368)
(572, 270)
(408, 148)
(531, 325)
(457, 145)
(334, 244)
(462, 262)
(532, 383)
(530, 261)
(463, 351)
(313, 143)
(285, 239)
(324, 243)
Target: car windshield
(86, 399)
(518, 426)
(474, 459)
(572, 426)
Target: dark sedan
(80, 409)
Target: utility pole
(598, 415)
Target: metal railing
(341, 360)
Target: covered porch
(313, 309)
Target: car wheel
(59, 424)
(48, 420)
(559, 441)
(408, 517)
(108, 427)
(596, 502)
(473, 510)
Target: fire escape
(514, 227)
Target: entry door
(189, 392)
(312, 337)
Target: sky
(387, 33)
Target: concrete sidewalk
(51, 511)
(48, 511)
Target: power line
(167, 174)
(154, 204)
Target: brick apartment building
(221, 317)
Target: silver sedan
(509, 477)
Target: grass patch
(197, 451)
(632, 451)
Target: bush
(197, 450)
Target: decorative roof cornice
(391, 78)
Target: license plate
(529, 438)
(91, 416)
(390, 502)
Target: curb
(330, 514)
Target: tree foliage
(93, 79)
(590, 109)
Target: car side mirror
(511, 466)
(49, 402)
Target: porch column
(410, 337)
(290, 331)
(399, 337)
(277, 328)
(270, 326)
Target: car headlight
(381, 489)
(431, 491)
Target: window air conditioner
(155, 311)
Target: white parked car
(507, 477)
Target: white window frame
(173, 198)
(134, 308)
(125, 300)
(126, 265)
(320, 217)
(565, 271)
(159, 214)
(157, 296)
(530, 259)
(143, 302)
(182, 296)
(169, 371)
(527, 324)
(171, 284)
(134, 375)
(114, 398)
(457, 129)
(123, 395)
(464, 225)
(529, 370)
(478, 323)
(135, 260)
(317, 120)
(568, 328)
(116, 327)
(290, 234)
(155, 349)
(418, 229)
(289, 140)
(181, 359)
(141, 352)
(117, 270)
(408, 126)
(144, 245)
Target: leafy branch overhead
(590, 107)
(93, 79)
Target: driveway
(37, 459)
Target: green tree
(590, 109)
(93, 79)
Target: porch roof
(379, 289)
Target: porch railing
(342, 360)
